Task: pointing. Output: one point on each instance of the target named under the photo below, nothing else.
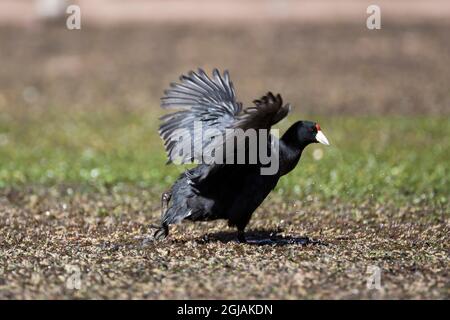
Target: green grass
(380, 158)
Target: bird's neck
(291, 149)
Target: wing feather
(212, 102)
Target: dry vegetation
(103, 234)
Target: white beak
(320, 137)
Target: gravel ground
(67, 243)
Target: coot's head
(310, 132)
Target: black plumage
(214, 190)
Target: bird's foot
(147, 240)
(160, 234)
(241, 237)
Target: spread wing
(267, 111)
(210, 103)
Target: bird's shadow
(259, 238)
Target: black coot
(215, 190)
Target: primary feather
(212, 102)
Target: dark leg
(163, 230)
(161, 233)
(165, 198)
(241, 236)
